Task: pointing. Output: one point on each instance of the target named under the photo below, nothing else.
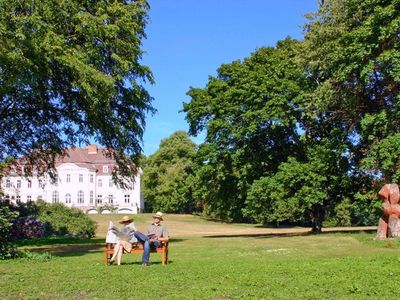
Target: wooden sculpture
(389, 223)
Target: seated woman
(125, 238)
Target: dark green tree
(70, 73)
(250, 113)
(352, 51)
(168, 175)
(302, 191)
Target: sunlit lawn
(326, 266)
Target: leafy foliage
(352, 49)
(301, 131)
(249, 112)
(7, 216)
(61, 220)
(70, 71)
(167, 176)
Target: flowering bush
(28, 227)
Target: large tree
(168, 175)
(70, 73)
(250, 113)
(352, 49)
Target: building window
(29, 183)
(110, 199)
(91, 197)
(68, 177)
(81, 197)
(99, 199)
(99, 183)
(18, 199)
(105, 169)
(127, 199)
(91, 178)
(67, 198)
(28, 198)
(40, 184)
(55, 197)
(8, 183)
(39, 198)
(110, 183)
(80, 177)
(18, 183)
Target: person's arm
(164, 235)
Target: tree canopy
(307, 129)
(168, 175)
(70, 73)
(250, 113)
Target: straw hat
(158, 215)
(125, 219)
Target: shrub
(61, 220)
(7, 248)
(28, 227)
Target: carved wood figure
(389, 223)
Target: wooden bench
(138, 248)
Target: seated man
(154, 235)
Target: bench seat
(138, 248)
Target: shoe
(110, 262)
(145, 264)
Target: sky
(187, 40)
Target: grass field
(211, 260)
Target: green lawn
(207, 266)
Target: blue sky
(187, 40)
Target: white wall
(73, 187)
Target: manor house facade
(84, 180)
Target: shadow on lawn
(290, 234)
(70, 247)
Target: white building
(83, 180)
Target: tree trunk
(317, 218)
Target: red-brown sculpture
(389, 224)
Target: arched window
(67, 198)
(55, 197)
(81, 197)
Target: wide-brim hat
(158, 215)
(126, 219)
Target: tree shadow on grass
(70, 247)
(67, 250)
(260, 235)
(292, 234)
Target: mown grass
(326, 266)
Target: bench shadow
(68, 250)
(152, 263)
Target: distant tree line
(304, 132)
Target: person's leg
(120, 251)
(141, 236)
(117, 246)
(146, 253)
(147, 246)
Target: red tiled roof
(95, 160)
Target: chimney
(92, 149)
